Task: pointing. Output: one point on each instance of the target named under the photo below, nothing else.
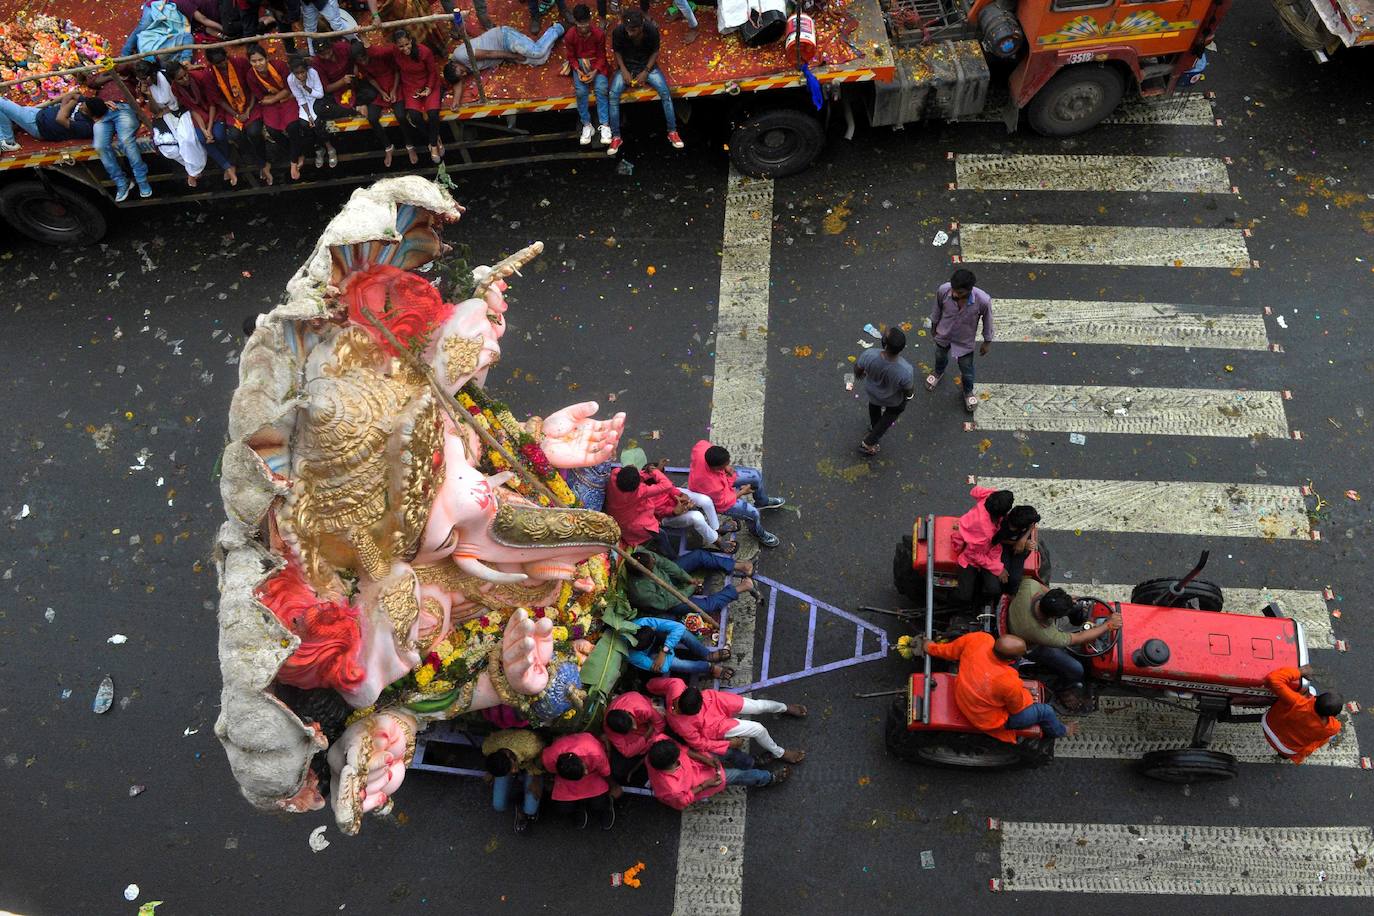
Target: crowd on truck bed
(245, 106)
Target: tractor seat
(946, 713)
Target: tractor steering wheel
(1098, 611)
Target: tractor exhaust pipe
(1176, 590)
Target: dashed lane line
(1152, 174)
(1133, 324)
(1112, 246)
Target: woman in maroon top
(200, 99)
(377, 84)
(420, 90)
(267, 83)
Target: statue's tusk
(505, 268)
(475, 567)
(496, 480)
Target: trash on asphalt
(131, 893)
(1353, 494)
(317, 840)
(1281, 322)
(849, 381)
(941, 238)
(118, 639)
(866, 344)
(871, 331)
(104, 696)
(147, 909)
(1077, 438)
(137, 790)
(927, 858)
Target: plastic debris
(1280, 320)
(317, 840)
(866, 344)
(118, 639)
(135, 791)
(23, 513)
(66, 694)
(131, 893)
(871, 331)
(147, 908)
(190, 731)
(927, 858)
(1077, 438)
(104, 696)
(1353, 494)
(626, 167)
(849, 381)
(50, 615)
(941, 238)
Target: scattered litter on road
(871, 331)
(866, 344)
(231, 842)
(131, 893)
(104, 696)
(927, 858)
(147, 908)
(1281, 322)
(23, 513)
(317, 840)
(190, 731)
(1353, 494)
(118, 639)
(50, 615)
(135, 791)
(849, 381)
(941, 238)
(1077, 438)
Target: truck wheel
(1187, 765)
(55, 215)
(907, 581)
(1155, 592)
(779, 142)
(1075, 100)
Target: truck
(1326, 26)
(1062, 66)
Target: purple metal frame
(861, 627)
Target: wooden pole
(667, 586)
(132, 101)
(276, 36)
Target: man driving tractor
(1032, 615)
(1298, 724)
(987, 689)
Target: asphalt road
(121, 361)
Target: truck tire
(775, 143)
(52, 214)
(1076, 99)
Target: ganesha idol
(384, 564)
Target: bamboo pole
(667, 586)
(235, 42)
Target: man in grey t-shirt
(889, 382)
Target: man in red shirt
(681, 775)
(1299, 724)
(644, 501)
(582, 779)
(708, 719)
(736, 492)
(987, 689)
(332, 62)
(631, 727)
(585, 46)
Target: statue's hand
(526, 648)
(573, 439)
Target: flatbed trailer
(889, 62)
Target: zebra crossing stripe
(1135, 324)
(1140, 411)
(1164, 507)
(1154, 174)
(1112, 246)
(1127, 727)
(1185, 860)
(1190, 110)
(1306, 607)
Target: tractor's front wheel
(1158, 592)
(1188, 765)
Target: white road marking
(1153, 174)
(1191, 860)
(710, 864)
(1116, 246)
(1136, 324)
(1306, 607)
(1164, 506)
(1190, 110)
(1125, 728)
(1141, 411)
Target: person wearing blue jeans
(748, 505)
(70, 118)
(122, 122)
(635, 43)
(1041, 714)
(585, 46)
(652, 599)
(513, 762)
(741, 769)
(658, 642)
(168, 28)
(339, 21)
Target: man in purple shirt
(959, 306)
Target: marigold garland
(42, 43)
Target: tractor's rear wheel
(905, 579)
(1188, 765)
(1046, 566)
(1208, 595)
(963, 750)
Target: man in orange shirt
(987, 689)
(1298, 723)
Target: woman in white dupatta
(174, 131)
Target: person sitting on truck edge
(648, 597)
(421, 92)
(1032, 615)
(708, 719)
(333, 63)
(635, 43)
(658, 642)
(959, 306)
(987, 689)
(493, 48)
(243, 126)
(122, 123)
(377, 84)
(1299, 724)
(585, 46)
(71, 118)
(681, 775)
(980, 562)
(194, 96)
(174, 130)
(314, 111)
(1016, 536)
(644, 501)
(736, 492)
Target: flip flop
(719, 655)
(780, 776)
(868, 450)
(728, 526)
(795, 715)
(726, 547)
(726, 673)
(932, 380)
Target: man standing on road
(959, 306)
(1299, 724)
(1032, 615)
(889, 382)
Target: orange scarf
(271, 80)
(234, 91)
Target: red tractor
(1176, 644)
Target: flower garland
(497, 419)
(904, 647)
(42, 43)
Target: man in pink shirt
(644, 501)
(736, 492)
(980, 561)
(582, 780)
(707, 719)
(682, 775)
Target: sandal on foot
(796, 756)
(728, 526)
(719, 655)
(868, 450)
(971, 403)
(780, 776)
(726, 547)
(932, 380)
(726, 673)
